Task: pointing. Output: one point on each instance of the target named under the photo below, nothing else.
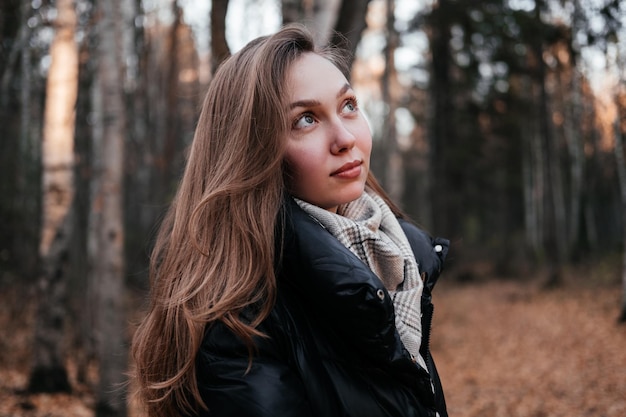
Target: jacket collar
(340, 289)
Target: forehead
(312, 75)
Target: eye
(350, 105)
(303, 121)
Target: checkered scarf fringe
(370, 230)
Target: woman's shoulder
(430, 252)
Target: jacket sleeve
(229, 388)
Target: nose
(342, 138)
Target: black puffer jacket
(332, 347)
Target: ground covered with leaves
(503, 348)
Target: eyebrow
(313, 103)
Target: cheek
(299, 166)
(365, 141)
(293, 162)
(305, 156)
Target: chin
(351, 196)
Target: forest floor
(503, 348)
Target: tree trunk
(551, 161)
(442, 133)
(350, 25)
(80, 293)
(140, 211)
(20, 120)
(391, 174)
(106, 243)
(574, 136)
(592, 180)
(555, 176)
(533, 176)
(48, 373)
(577, 162)
(319, 15)
(14, 31)
(324, 19)
(621, 171)
(417, 180)
(173, 128)
(219, 46)
(292, 11)
(29, 150)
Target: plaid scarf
(370, 230)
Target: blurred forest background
(498, 124)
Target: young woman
(284, 282)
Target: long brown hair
(215, 251)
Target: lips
(348, 170)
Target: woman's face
(329, 143)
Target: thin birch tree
(106, 227)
